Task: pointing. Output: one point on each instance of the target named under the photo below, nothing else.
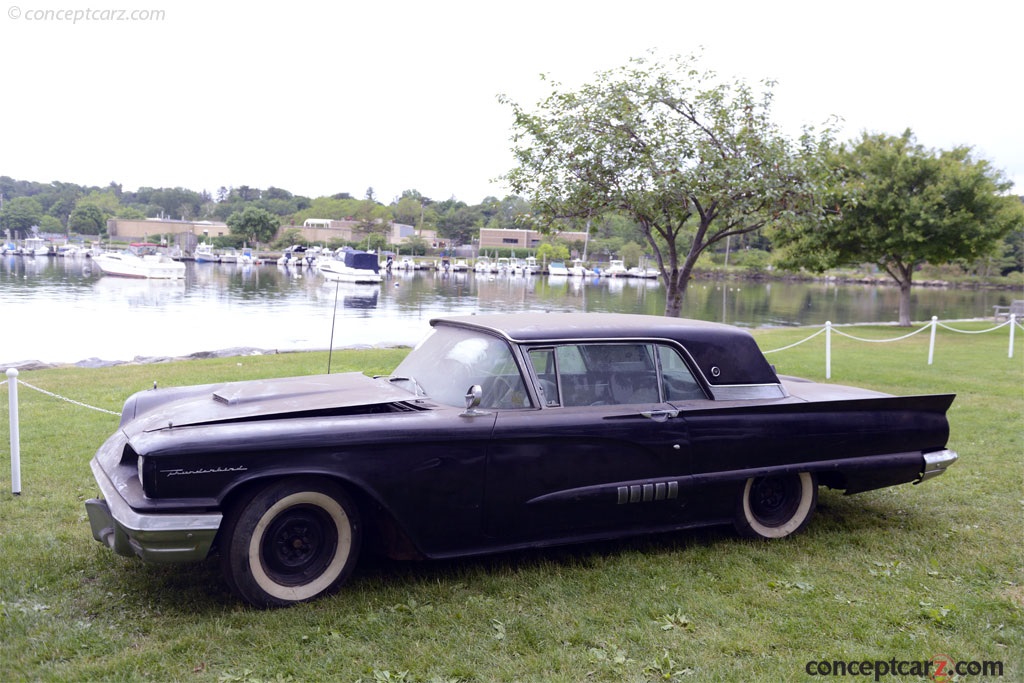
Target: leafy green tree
(19, 215)
(899, 205)
(255, 225)
(549, 251)
(87, 219)
(408, 211)
(631, 253)
(690, 159)
(289, 238)
(130, 213)
(417, 246)
(50, 224)
(376, 242)
(459, 223)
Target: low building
(505, 238)
(153, 229)
(327, 230)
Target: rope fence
(828, 330)
(12, 383)
(932, 326)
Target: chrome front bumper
(935, 463)
(159, 538)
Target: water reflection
(77, 313)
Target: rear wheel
(777, 506)
(292, 541)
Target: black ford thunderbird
(497, 432)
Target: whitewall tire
(776, 506)
(292, 541)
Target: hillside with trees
(78, 211)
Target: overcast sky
(327, 98)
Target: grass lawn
(911, 573)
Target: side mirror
(473, 397)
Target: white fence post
(12, 392)
(828, 349)
(931, 344)
(1013, 324)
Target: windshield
(451, 360)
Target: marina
(63, 310)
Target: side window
(678, 383)
(607, 374)
(543, 362)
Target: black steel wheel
(776, 506)
(292, 541)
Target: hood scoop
(240, 394)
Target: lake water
(62, 310)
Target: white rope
(797, 343)
(69, 400)
(991, 329)
(882, 341)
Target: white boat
(204, 253)
(407, 263)
(646, 273)
(140, 260)
(360, 267)
(579, 270)
(616, 268)
(460, 266)
(35, 246)
(504, 264)
(294, 256)
(229, 256)
(530, 266)
(557, 268)
(482, 265)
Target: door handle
(660, 415)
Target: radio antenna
(334, 316)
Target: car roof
(532, 327)
(724, 354)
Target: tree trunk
(674, 293)
(905, 303)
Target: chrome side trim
(647, 493)
(935, 463)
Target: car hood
(264, 399)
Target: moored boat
(558, 268)
(616, 268)
(204, 253)
(360, 267)
(140, 260)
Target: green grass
(909, 573)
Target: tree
(690, 159)
(87, 219)
(548, 252)
(255, 225)
(898, 205)
(19, 215)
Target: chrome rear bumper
(935, 463)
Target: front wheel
(776, 506)
(292, 541)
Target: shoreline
(241, 351)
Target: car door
(605, 453)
